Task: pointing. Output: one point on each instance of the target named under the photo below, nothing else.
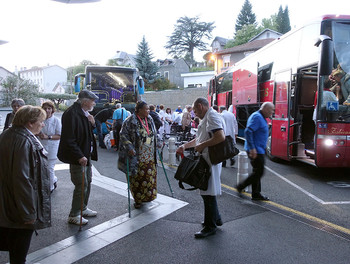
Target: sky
(45, 32)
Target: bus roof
(98, 68)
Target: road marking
(90, 240)
(304, 191)
(296, 212)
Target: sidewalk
(163, 231)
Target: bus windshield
(334, 105)
(112, 85)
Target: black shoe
(224, 164)
(239, 190)
(206, 231)
(233, 162)
(218, 223)
(260, 198)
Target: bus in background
(111, 84)
(292, 72)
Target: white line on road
(304, 191)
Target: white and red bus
(291, 72)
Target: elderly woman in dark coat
(138, 144)
(16, 104)
(24, 183)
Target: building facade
(171, 69)
(48, 78)
(197, 79)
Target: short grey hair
(202, 101)
(266, 104)
(118, 105)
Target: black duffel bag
(223, 151)
(195, 171)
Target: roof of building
(262, 32)
(6, 70)
(249, 46)
(221, 40)
(35, 68)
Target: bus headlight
(328, 142)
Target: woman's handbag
(223, 151)
(195, 171)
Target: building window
(166, 75)
(226, 61)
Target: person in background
(16, 104)
(100, 118)
(155, 117)
(77, 148)
(256, 134)
(49, 137)
(344, 80)
(162, 118)
(178, 109)
(186, 118)
(24, 183)
(167, 120)
(138, 144)
(231, 128)
(119, 115)
(210, 132)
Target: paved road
(162, 232)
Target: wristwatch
(50, 137)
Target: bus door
(281, 130)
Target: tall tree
(188, 35)
(147, 68)
(270, 23)
(246, 16)
(282, 20)
(15, 87)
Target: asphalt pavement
(163, 231)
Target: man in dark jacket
(155, 116)
(78, 147)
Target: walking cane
(166, 176)
(82, 198)
(128, 178)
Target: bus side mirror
(140, 85)
(325, 65)
(76, 84)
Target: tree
(147, 68)
(72, 71)
(282, 20)
(15, 87)
(57, 99)
(188, 35)
(244, 35)
(246, 16)
(270, 23)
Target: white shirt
(52, 127)
(211, 121)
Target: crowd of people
(41, 138)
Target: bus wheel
(268, 150)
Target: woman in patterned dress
(138, 145)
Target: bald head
(267, 109)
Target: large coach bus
(291, 72)
(111, 84)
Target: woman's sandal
(137, 205)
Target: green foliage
(147, 68)
(270, 23)
(74, 70)
(246, 16)
(57, 99)
(188, 35)
(160, 84)
(282, 19)
(15, 87)
(201, 69)
(244, 35)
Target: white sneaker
(76, 220)
(88, 212)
